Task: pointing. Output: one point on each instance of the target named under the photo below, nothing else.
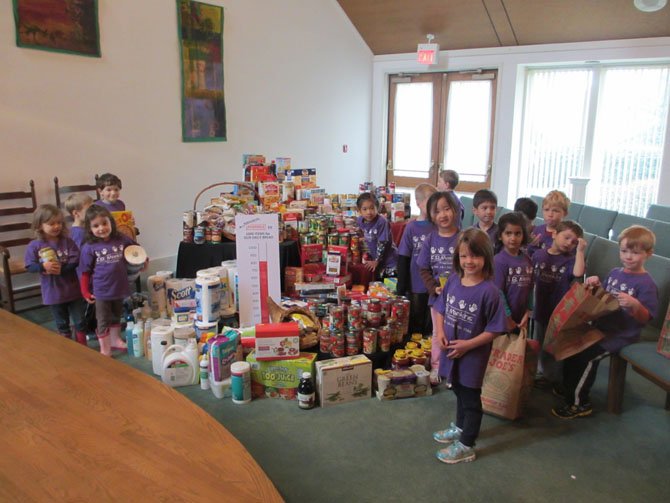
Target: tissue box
(279, 378)
(277, 341)
(342, 380)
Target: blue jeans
(63, 312)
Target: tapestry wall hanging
(203, 111)
(69, 26)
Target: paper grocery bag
(569, 331)
(664, 340)
(508, 379)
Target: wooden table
(75, 425)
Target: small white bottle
(138, 339)
(204, 373)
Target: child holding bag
(469, 313)
(55, 257)
(104, 277)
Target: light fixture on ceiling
(426, 54)
(649, 5)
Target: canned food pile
(335, 230)
(368, 326)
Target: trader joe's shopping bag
(509, 376)
(664, 340)
(569, 331)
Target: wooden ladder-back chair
(63, 191)
(15, 233)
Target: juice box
(278, 378)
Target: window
(441, 121)
(604, 123)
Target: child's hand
(52, 267)
(626, 301)
(592, 281)
(581, 245)
(457, 348)
(444, 343)
(438, 290)
(536, 239)
(371, 265)
(524, 321)
(89, 298)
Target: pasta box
(277, 341)
(343, 380)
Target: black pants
(62, 314)
(420, 321)
(468, 412)
(579, 374)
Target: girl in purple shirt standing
(55, 257)
(469, 313)
(104, 277)
(383, 254)
(436, 260)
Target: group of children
(83, 264)
(493, 278)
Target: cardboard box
(277, 341)
(402, 384)
(292, 275)
(302, 178)
(311, 254)
(279, 378)
(343, 380)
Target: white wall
(510, 62)
(297, 84)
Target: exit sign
(426, 54)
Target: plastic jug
(180, 365)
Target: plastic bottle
(130, 325)
(138, 340)
(306, 394)
(204, 373)
(240, 382)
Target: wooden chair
(15, 235)
(63, 191)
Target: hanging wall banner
(69, 26)
(203, 111)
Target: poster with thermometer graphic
(257, 245)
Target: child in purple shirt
(555, 268)
(76, 205)
(104, 278)
(378, 238)
(470, 313)
(447, 182)
(436, 260)
(109, 188)
(637, 294)
(409, 279)
(55, 257)
(554, 210)
(513, 268)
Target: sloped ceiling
(397, 26)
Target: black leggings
(468, 412)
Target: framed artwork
(69, 26)
(203, 110)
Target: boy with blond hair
(447, 182)
(554, 209)
(409, 279)
(637, 294)
(76, 205)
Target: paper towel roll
(207, 298)
(157, 295)
(135, 258)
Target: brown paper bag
(664, 340)
(508, 379)
(569, 331)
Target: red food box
(277, 341)
(311, 254)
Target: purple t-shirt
(118, 205)
(514, 277)
(492, 232)
(546, 239)
(553, 276)
(379, 230)
(468, 311)
(56, 288)
(413, 237)
(105, 261)
(437, 254)
(459, 220)
(620, 328)
(77, 234)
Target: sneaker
(435, 378)
(572, 411)
(448, 436)
(456, 453)
(558, 390)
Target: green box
(279, 378)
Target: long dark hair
(94, 211)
